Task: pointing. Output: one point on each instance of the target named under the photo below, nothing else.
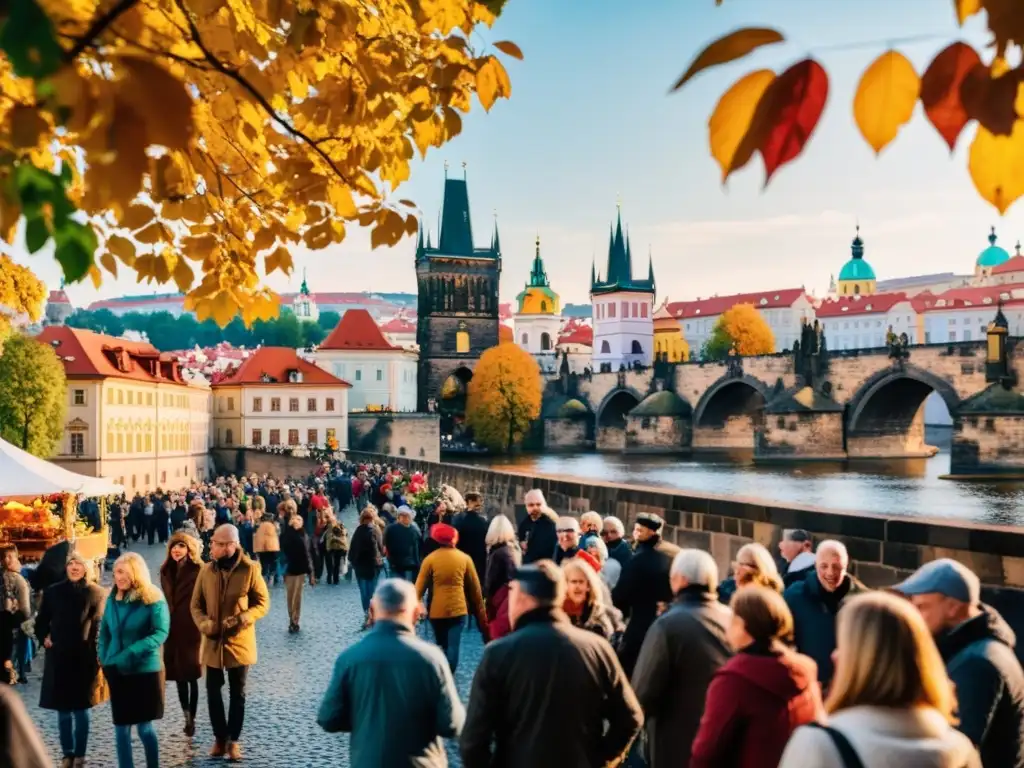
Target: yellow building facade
(669, 344)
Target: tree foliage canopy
(739, 328)
(204, 139)
(775, 114)
(504, 396)
(33, 396)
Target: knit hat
(590, 560)
(188, 528)
(650, 520)
(444, 534)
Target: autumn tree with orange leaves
(504, 396)
(198, 142)
(774, 114)
(740, 330)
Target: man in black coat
(613, 533)
(643, 585)
(472, 527)
(549, 694)
(402, 546)
(537, 530)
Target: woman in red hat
(451, 576)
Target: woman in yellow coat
(451, 577)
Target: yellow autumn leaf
(452, 123)
(160, 99)
(108, 262)
(123, 248)
(424, 134)
(222, 308)
(509, 48)
(137, 216)
(224, 107)
(183, 275)
(129, 138)
(492, 82)
(279, 258)
(733, 46)
(996, 165)
(27, 125)
(885, 98)
(340, 197)
(966, 8)
(151, 234)
(731, 119)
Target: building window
(163, 477)
(257, 437)
(149, 443)
(311, 437)
(77, 443)
(231, 403)
(643, 310)
(79, 396)
(952, 335)
(359, 374)
(329, 404)
(131, 397)
(605, 348)
(257, 404)
(120, 443)
(525, 340)
(275, 404)
(462, 342)
(110, 397)
(380, 374)
(134, 481)
(637, 349)
(545, 342)
(293, 404)
(275, 437)
(311, 404)
(229, 436)
(635, 310)
(138, 443)
(293, 437)
(625, 310)
(120, 397)
(149, 398)
(611, 309)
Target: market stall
(39, 505)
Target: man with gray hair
(536, 533)
(680, 655)
(392, 677)
(549, 694)
(815, 601)
(402, 545)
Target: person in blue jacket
(135, 625)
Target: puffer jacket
(267, 538)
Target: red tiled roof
(859, 305)
(505, 334)
(95, 355)
(357, 330)
(576, 332)
(716, 305)
(397, 325)
(981, 296)
(1015, 264)
(277, 362)
(505, 310)
(57, 297)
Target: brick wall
(396, 434)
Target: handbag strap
(846, 751)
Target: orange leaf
(730, 123)
(990, 99)
(788, 114)
(509, 48)
(733, 46)
(965, 9)
(940, 90)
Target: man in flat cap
(643, 585)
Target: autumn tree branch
(99, 24)
(219, 66)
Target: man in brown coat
(230, 596)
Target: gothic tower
(458, 299)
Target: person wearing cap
(977, 647)
(568, 531)
(815, 602)
(229, 598)
(472, 527)
(549, 694)
(797, 550)
(536, 533)
(643, 585)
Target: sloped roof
(89, 355)
(575, 332)
(399, 325)
(664, 403)
(842, 306)
(981, 296)
(357, 331)
(276, 363)
(716, 305)
(1015, 264)
(58, 297)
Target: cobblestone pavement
(284, 690)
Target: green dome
(662, 403)
(992, 256)
(573, 409)
(856, 268)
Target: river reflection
(900, 487)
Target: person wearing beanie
(178, 576)
(643, 585)
(451, 576)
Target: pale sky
(590, 120)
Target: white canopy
(22, 474)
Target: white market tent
(22, 474)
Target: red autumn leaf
(788, 114)
(940, 90)
(991, 100)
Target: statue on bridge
(898, 345)
(810, 353)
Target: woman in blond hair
(134, 627)
(890, 703)
(754, 566)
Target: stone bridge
(847, 404)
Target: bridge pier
(988, 436)
(893, 439)
(800, 436)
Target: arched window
(545, 342)
(462, 341)
(543, 306)
(605, 348)
(856, 289)
(229, 436)
(526, 339)
(637, 349)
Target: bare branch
(98, 26)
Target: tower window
(605, 348)
(525, 339)
(545, 342)
(462, 342)
(856, 289)
(637, 349)
(543, 306)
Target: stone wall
(657, 434)
(990, 444)
(737, 433)
(239, 461)
(802, 434)
(396, 434)
(566, 435)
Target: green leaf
(28, 39)
(36, 233)
(35, 186)
(76, 248)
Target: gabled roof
(398, 325)
(357, 331)
(716, 305)
(272, 365)
(90, 355)
(58, 297)
(576, 332)
(1015, 264)
(878, 303)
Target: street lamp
(997, 362)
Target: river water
(895, 487)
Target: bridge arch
(729, 413)
(615, 405)
(885, 416)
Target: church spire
(857, 246)
(650, 266)
(538, 276)
(495, 238)
(304, 288)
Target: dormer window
(987, 300)
(940, 303)
(1004, 296)
(696, 312)
(776, 297)
(764, 301)
(968, 303)
(868, 307)
(846, 309)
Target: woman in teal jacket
(135, 625)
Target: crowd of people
(599, 651)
